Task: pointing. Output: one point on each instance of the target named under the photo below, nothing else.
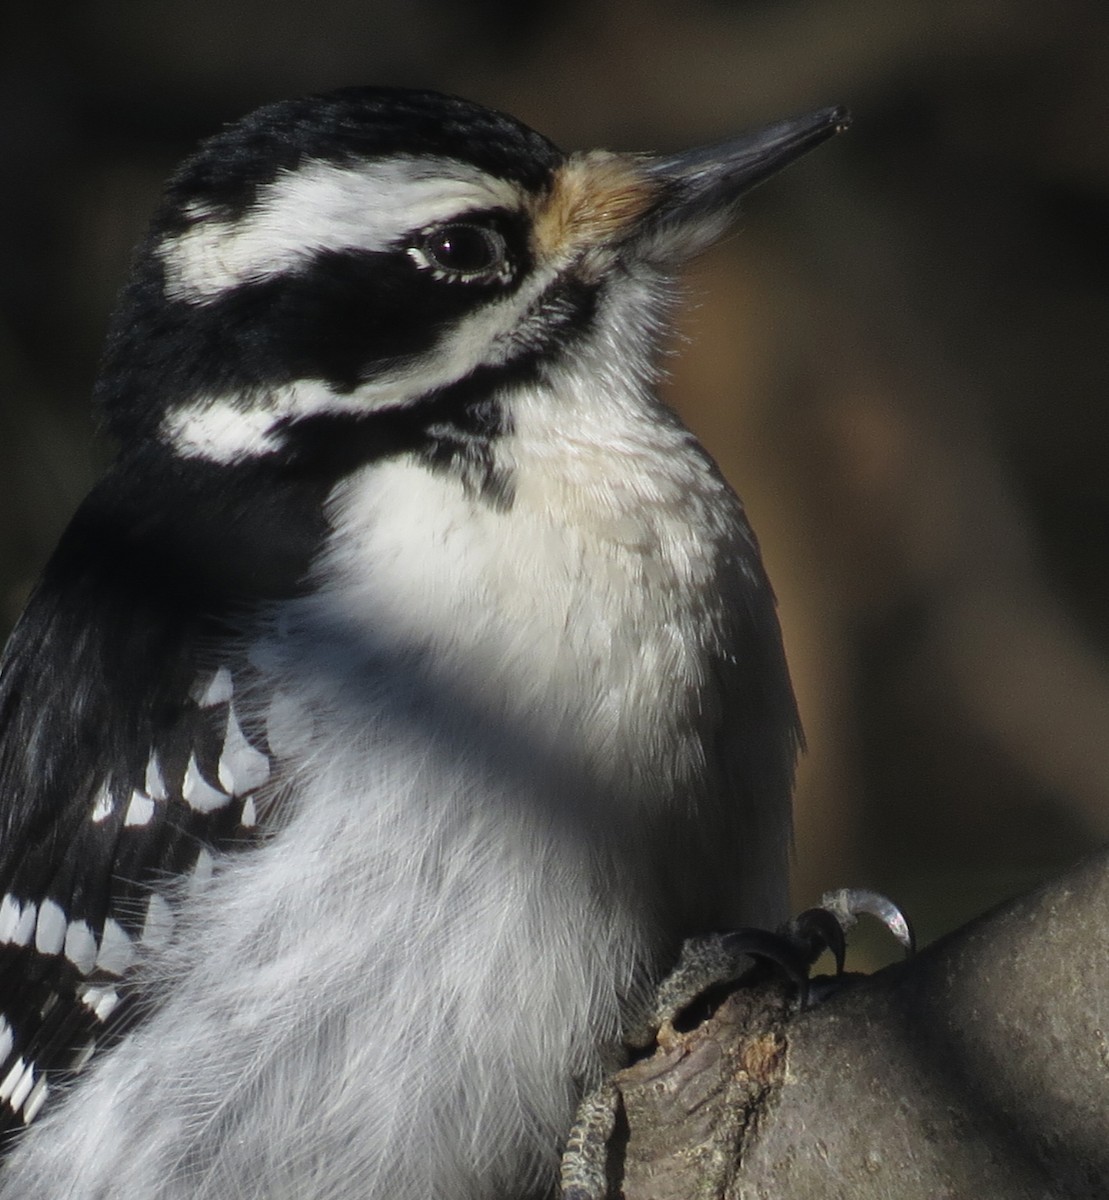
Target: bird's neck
(577, 609)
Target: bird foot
(705, 965)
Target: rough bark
(980, 1069)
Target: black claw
(846, 905)
(816, 930)
(780, 950)
(713, 960)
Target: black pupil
(467, 249)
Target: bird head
(377, 253)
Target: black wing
(128, 763)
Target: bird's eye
(463, 251)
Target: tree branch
(979, 1069)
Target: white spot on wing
(198, 793)
(155, 786)
(140, 809)
(25, 930)
(22, 1088)
(10, 912)
(202, 871)
(117, 951)
(50, 928)
(35, 1100)
(219, 690)
(104, 804)
(158, 925)
(14, 1080)
(242, 768)
(100, 1001)
(80, 946)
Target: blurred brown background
(899, 361)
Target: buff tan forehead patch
(594, 195)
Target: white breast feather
(440, 938)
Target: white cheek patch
(221, 431)
(236, 428)
(322, 206)
(232, 429)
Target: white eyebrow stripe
(322, 206)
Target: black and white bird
(408, 689)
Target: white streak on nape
(139, 810)
(198, 793)
(103, 805)
(117, 950)
(219, 689)
(155, 785)
(13, 1080)
(317, 208)
(35, 1100)
(7, 1038)
(158, 924)
(50, 928)
(10, 912)
(289, 726)
(101, 1001)
(242, 768)
(80, 946)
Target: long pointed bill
(701, 187)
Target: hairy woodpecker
(408, 689)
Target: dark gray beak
(701, 187)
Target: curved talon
(846, 905)
(781, 950)
(715, 959)
(816, 930)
